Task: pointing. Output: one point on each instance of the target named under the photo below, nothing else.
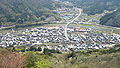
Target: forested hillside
(33, 58)
(92, 7)
(20, 11)
(112, 19)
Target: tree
(42, 64)
(32, 48)
(0, 24)
(71, 55)
(31, 59)
(39, 49)
(36, 60)
(20, 21)
(8, 59)
(43, 18)
(47, 52)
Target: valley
(59, 34)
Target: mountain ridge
(111, 19)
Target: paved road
(66, 35)
(7, 27)
(109, 26)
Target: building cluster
(42, 35)
(87, 40)
(33, 37)
(67, 14)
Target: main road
(66, 35)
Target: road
(109, 26)
(6, 27)
(66, 35)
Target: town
(41, 36)
(54, 37)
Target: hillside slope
(92, 7)
(112, 19)
(25, 10)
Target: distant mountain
(25, 10)
(112, 19)
(92, 7)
